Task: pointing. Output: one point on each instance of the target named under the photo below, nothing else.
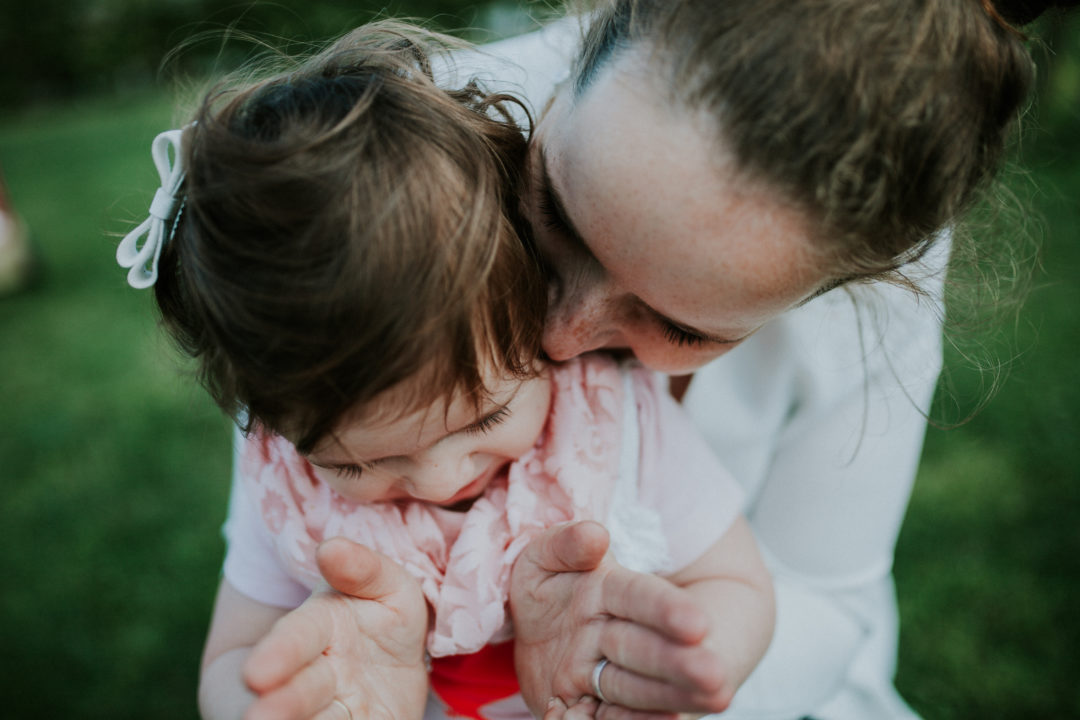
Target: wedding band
(348, 712)
(596, 672)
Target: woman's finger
(615, 712)
(654, 602)
(292, 643)
(336, 710)
(583, 709)
(630, 690)
(649, 654)
(574, 547)
(304, 696)
(556, 709)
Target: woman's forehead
(668, 217)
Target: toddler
(339, 247)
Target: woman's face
(655, 243)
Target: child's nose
(437, 477)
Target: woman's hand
(572, 605)
(362, 646)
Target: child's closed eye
(350, 472)
(488, 422)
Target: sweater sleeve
(251, 562)
(822, 419)
(679, 476)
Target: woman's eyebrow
(557, 206)
(831, 285)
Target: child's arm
(237, 624)
(364, 648)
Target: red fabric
(467, 683)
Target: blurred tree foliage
(1057, 51)
(57, 49)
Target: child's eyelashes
(350, 472)
(488, 422)
(483, 425)
(353, 471)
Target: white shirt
(820, 416)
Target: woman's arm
(822, 417)
(829, 539)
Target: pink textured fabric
(461, 559)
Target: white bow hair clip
(164, 214)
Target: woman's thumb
(573, 547)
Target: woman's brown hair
(880, 120)
(348, 224)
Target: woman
(706, 172)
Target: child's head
(349, 225)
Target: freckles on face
(669, 227)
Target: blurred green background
(114, 467)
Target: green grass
(988, 564)
(115, 468)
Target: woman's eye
(677, 336)
(548, 217)
(485, 424)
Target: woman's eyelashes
(553, 220)
(549, 215)
(680, 337)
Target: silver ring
(596, 672)
(344, 707)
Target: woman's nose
(586, 317)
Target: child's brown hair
(348, 225)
